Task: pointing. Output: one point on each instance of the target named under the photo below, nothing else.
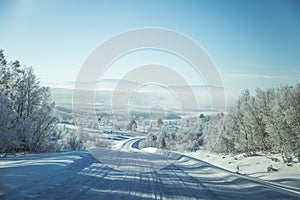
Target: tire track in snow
(130, 174)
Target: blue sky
(253, 43)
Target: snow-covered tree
(268, 121)
(28, 108)
(159, 122)
(199, 134)
(132, 126)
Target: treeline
(189, 134)
(27, 122)
(267, 121)
(26, 111)
(28, 117)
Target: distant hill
(141, 96)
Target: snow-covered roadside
(255, 166)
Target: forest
(268, 121)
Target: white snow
(255, 166)
(19, 173)
(149, 150)
(126, 173)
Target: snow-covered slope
(264, 166)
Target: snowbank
(149, 150)
(263, 166)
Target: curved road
(131, 174)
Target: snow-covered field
(255, 166)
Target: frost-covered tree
(28, 107)
(201, 133)
(132, 126)
(268, 121)
(159, 122)
(8, 127)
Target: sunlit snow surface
(126, 173)
(256, 166)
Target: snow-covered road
(125, 174)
